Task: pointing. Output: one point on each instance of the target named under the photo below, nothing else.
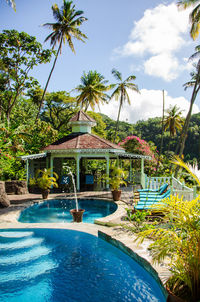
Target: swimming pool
(54, 265)
(57, 210)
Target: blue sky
(149, 39)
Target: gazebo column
(142, 165)
(31, 169)
(107, 170)
(51, 165)
(47, 163)
(27, 171)
(78, 173)
(142, 179)
(131, 171)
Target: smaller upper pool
(57, 210)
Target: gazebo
(80, 144)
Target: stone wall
(18, 187)
(4, 200)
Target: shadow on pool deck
(19, 202)
(19, 199)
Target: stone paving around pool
(116, 233)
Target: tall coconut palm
(162, 131)
(173, 120)
(195, 83)
(92, 90)
(194, 15)
(121, 92)
(68, 21)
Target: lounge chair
(159, 191)
(147, 202)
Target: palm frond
(195, 21)
(117, 74)
(12, 4)
(184, 4)
(66, 27)
(196, 55)
(130, 78)
(192, 170)
(57, 13)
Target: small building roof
(82, 141)
(81, 117)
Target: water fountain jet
(77, 213)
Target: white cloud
(163, 65)
(145, 105)
(158, 35)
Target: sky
(148, 39)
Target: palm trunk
(117, 124)
(181, 144)
(163, 115)
(169, 145)
(86, 106)
(47, 83)
(162, 134)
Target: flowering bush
(134, 144)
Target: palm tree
(194, 15)
(173, 121)
(92, 90)
(162, 131)
(195, 83)
(66, 27)
(121, 93)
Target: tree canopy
(20, 53)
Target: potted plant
(45, 181)
(116, 179)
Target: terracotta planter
(77, 215)
(45, 194)
(116, 194)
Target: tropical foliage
(117, 177)
(178, 240)
(134, 144)
(44, 179)
(58, 109)
(20, 53)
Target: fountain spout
(74, 186)
(76, 213)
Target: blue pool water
(56, 265)
(57, 210)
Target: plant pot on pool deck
(45, 193)
(77, 215)
(116, 194)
